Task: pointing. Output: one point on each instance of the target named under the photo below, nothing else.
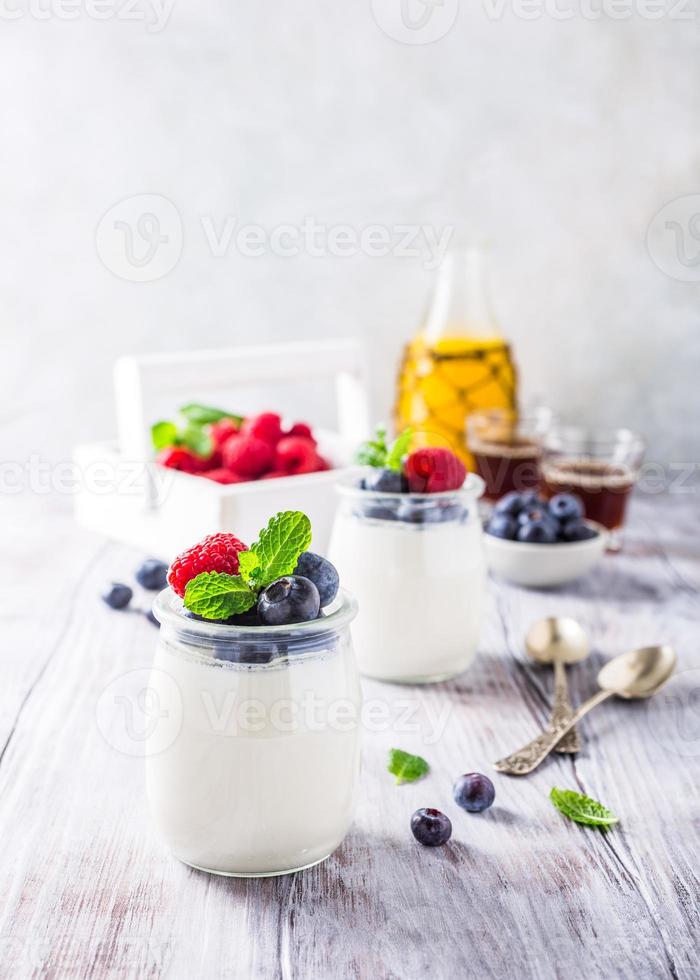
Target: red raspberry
(221, 431)
(248, 456)
(295, 454)
(216, 553)
(177, 458)
(222, 475)
(434, 469)
(303, 430)
(266, 426)
(274, 475)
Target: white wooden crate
(125, 495)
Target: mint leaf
(582, 809)
(216, 595)
(248, 562)
(398, 450)
(163, 434)
(278, 547)
(406, 767)
(196, 439)
(374, 451)
(204, 414)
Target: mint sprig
(277, 550)
(406, 767)
(217, 595)
(376, 452)
(582, 809)
(191, 429)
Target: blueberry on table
(150, 616)
(474, 792)
(386, 481)
(537, 532)
(322, 573)
(293, 599)
(430, 827)
(566, 507)
(577, 530)
(502, 526)
(117, 595)
(152, 574)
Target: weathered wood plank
(86, 889)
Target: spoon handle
(527, 758)
(562, 710)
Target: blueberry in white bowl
(541, 544)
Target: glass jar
(416, 564)
(258, 775)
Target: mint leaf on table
(204, 414)
(406, 767)
(163, 434)
(398, 450)
(278, 548)
(582, 809)
(216, 595)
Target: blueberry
(431, 827)
(537, 513)
(322, 573)
(246, 653)
(531, 498)
(293, 599)
(578, 531)
(117, 595)
(453, 512)
(418, 513)
(152, 574)
(537, 532)
(249, 618)
(502, 526)
(474, 792)
(377, 512)
(566, 507)
(386, 481)
(510, 505)
(150, 616)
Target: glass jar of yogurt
(416, 564)
(257, 776)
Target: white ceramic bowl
(541, 566)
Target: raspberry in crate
(214, 469)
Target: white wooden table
(87, 890)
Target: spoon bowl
(639, 673)
(557, 638)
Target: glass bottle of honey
(458, 363)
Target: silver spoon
(559, 640)
(637, 674)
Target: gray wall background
(558, 140)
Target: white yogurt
(420, 589)
(261, 777)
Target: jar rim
(168, 610)
(472, 488)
